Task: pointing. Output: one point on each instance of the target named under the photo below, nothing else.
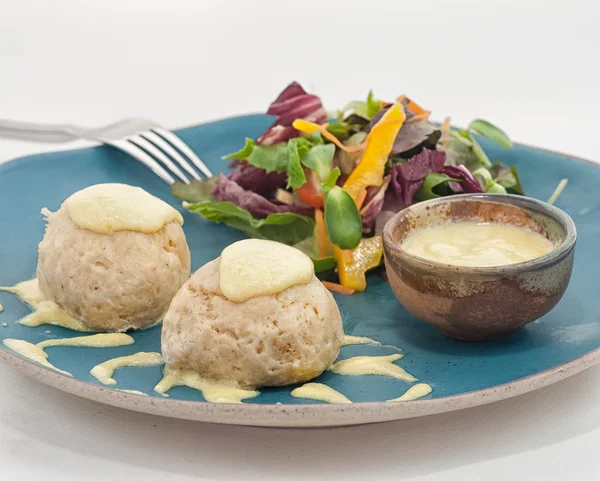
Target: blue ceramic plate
(462, 374)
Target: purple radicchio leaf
(293, 103)
(257, 180)
(374, 205)
(469, 183)
(407, 178)
(260, 207)
(391, 206)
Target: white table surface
(530, 66)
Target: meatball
(270, 340)
(111, 282)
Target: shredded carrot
(321, 233)
(414, 107)
(361, 198)
(333, 287)
(333, 139)
(445, 133)
(417, 117)
(417, 109)
(310, 127)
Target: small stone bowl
(480, 303)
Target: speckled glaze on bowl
(480, 303)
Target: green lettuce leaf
(324, 264)
(340, 129)
(295, 172)
(459, 152)
(272, 158)
(244, 152)
(287, 228)
(434, 185)
(507, 177)
(331, 179)
(481, 156)
(319, 159)
(196, 191)
(489, 130)
(321, 264)
(373, 106)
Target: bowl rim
(524, 202)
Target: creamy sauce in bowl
(474, 244)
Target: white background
(529, 66)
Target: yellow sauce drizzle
(415, 392)
(372, 365)
(45, 311)
(355, 340)
(33, 353)
(104, 372)
(360, 340)
(320, 392)
(132, 391)
(36, 353)
(115, 339)
(212, 391)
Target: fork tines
(160, 150)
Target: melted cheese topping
(320, 392)
(33, 353)
(252, 268)
(415, 392)
(108, 208)
(212, 391)
(44, 311)
(372, 365)
(477, 245)
(104, 372)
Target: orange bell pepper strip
(353, 264)
(379, 144)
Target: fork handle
(13, 129)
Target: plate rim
(296, 415)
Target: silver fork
(146, 141)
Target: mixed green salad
(327, 183)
